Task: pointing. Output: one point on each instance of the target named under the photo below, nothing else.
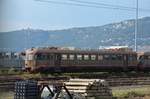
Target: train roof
(80, 51)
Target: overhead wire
(71, 4)
(109, 5)
(79, 4)
(100, 4)
(93, 5)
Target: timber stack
(89, 88)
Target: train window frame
(79, 56)
(64, 56)
(86, 57)
(93, 57)
(71, 57)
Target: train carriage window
(93, 57)
(41, 57)
(114, 57)
(30, 57)
(38, 56)
(106, 57)
(119, 57)
(86, 57)
(45, 57)
(100, 57)
(64, 57)
(134, 57)
(145, 57)
(50, 57)
(79, 57)
(71, 57)
(130, 58)
(149, 57)
(141, 58)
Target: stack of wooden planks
(90, 88)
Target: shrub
(133, 94)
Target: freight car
(76, 60)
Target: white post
(136, 26)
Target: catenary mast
(136, 26)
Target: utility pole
(136, 26)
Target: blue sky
(22, 14)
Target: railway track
(125, 81)
(8, 82)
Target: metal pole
(136, 26)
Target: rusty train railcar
(144, 62)
(65, 60)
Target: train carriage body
(144, 62)
(65, 60)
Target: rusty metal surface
(92, 51)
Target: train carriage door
(57, 60)
(132, 61)
(52, 59)
(125, 62)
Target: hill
(121, 33)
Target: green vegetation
(10, 71)
(6, 95)
(13, 71)
(131, 92)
